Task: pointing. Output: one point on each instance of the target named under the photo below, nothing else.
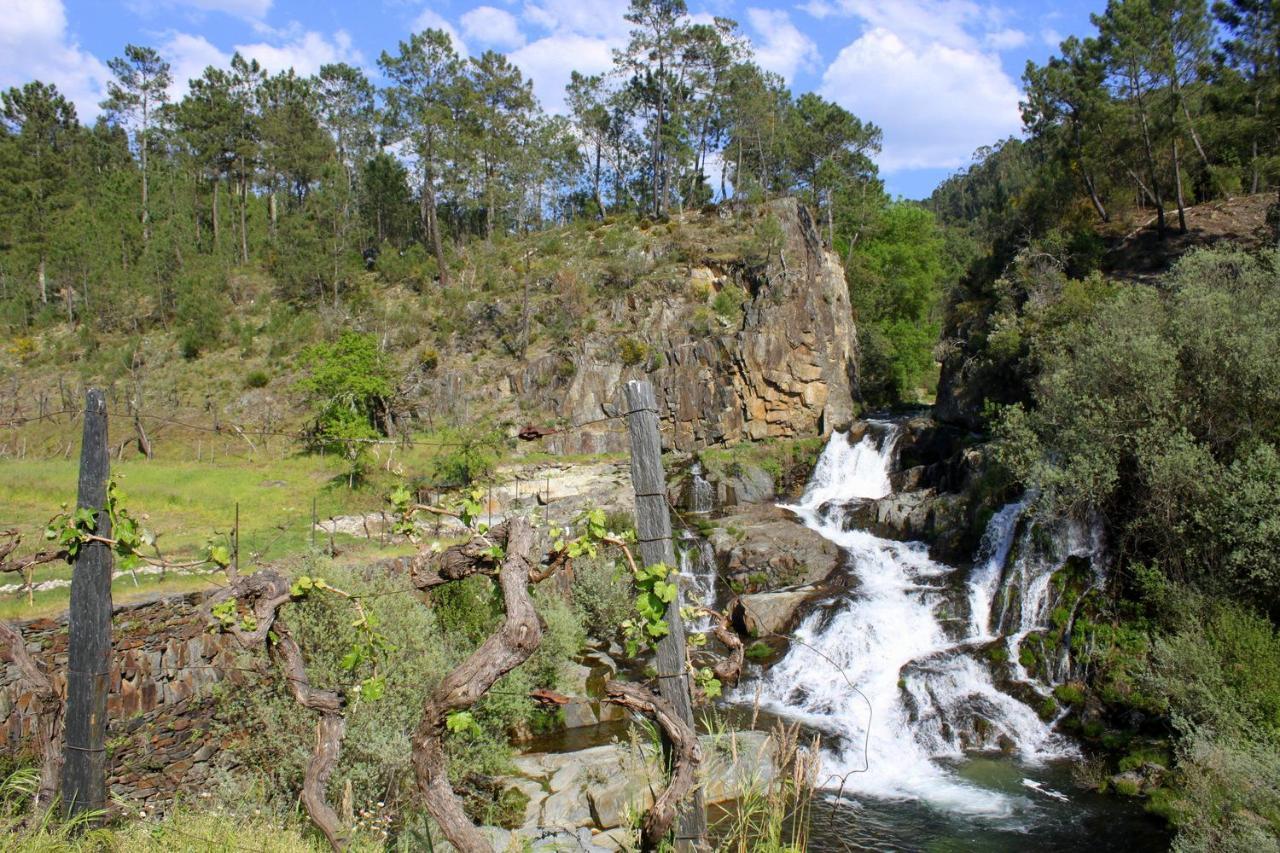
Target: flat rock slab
(601, 789)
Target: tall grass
(773, 813)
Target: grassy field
(188, 504)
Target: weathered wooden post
(84, 778)
(653, 532)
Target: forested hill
(199, 246)
(1115, 334)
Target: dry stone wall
(163, 733)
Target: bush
(349, 386)
(467, 455)
(256, 379)
(602, 596)
(427, 641)
(728, 302)
(632, 352)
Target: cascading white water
(1030, 577)
(875, 669)
(984, 580)
(698, 565)
(701, 497)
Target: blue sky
(940, 77)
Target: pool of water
(1049, 814)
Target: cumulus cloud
(304, 53)
(779, 46)
(928, 72)
(35, 45)
(936, 103)
(492, 26)
(188, 56)
(429, 19)
(1006, 39)
(579, 37)
(1051, 37)
(602, 19)
(549, 61)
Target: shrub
(256, 379)
(632, 351)
(601, 595)
(728, 302)
(426, 642)
(348, 385)
(467, 455)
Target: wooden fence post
(84, 778)
(653, 531)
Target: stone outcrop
(601, 788)
(785, 367)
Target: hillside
(742, 320)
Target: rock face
(766, 547)
(785, 366)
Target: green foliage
(427, 642)
(632, 351)
(467, 455)
(895, 282)
(257, 379)
(349, 386)
(602, 595)
(1164, 413)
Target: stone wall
(162, 730)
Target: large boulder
(765, 547)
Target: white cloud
(780, 47)
(1006, 39)
(1051, 37)
(35, 45)
(253, 11)
(492, 26)
(549, 61)
(304, 53)
(581, 37)
(603, 19)
(936, 103)
(429, 19)
(819, 9)
(188, 56)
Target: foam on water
(875, 670)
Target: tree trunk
(244, 230)
(432, 224)
(216, 232)
(146, 216)
(511, 645)
(48, 716)
(1177, 179)
(43, 281)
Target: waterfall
(701, 494)
(698, 566)
(997, 542)
(874, 669)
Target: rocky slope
(784, 365)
